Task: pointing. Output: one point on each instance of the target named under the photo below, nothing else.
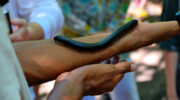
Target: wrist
(77, 80)
(69, 87)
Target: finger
(118, 78)
(113, 83)
(20, 35)
(124, 67)
(61, 77)
(18, 22)
(108, 61)
(16, 28)
(115, 59)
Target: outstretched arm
(44, 60)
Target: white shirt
(47, 13)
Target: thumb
(62, 77)
(124, 67)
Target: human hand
(97, 78)
(24, 31)
(20, 31)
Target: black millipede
(103, 43)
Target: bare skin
(24, 31)
(89, 80)
(51, 59)
(171, 60)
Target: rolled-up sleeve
(46, 13)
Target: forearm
(44, 60)
(146, 34)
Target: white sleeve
(47, 13)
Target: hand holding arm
(51, 59)
(89, 80)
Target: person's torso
(11, 7)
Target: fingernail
(133, 67)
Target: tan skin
(171, 60)
(44, 60)
(51, 59)
(68, 81)
(89, 80)
(24, 31)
